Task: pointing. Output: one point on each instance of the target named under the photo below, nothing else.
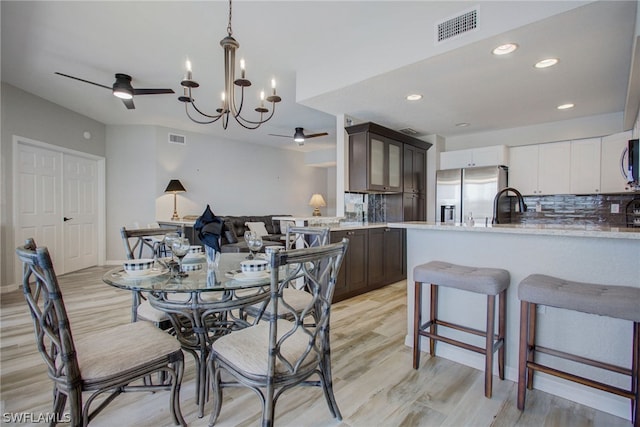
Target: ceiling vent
(455, 26)
(174, 138)
(409, 131)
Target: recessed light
(565, 106)
(505, 49)
(462, 125)
(414, 97)
(549, 62)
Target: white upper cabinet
(541, 169)
(611, 179)
(523, 169)
(585, 166)
(476, 157)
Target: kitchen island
(582, 253)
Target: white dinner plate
(242, 277)
(151, 273)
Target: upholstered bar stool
(491, 282)
(620, 302)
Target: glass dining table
(202, 306)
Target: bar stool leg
(417, 323)
(635, 375)
(522, 356)
(502, 330)
(433, 317)
(531, 343)
(488, 358)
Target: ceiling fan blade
(151, 91)
(129, 104)
(283, 136)
(315, 135)
(83, 80)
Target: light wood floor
(374, 382)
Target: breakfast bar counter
(591, 254)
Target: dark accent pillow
(230, 233)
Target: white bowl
(138, 267)
(254, 267)
(195, 249)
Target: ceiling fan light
(123, 93)
(299, 135)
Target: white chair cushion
(248, 348)
(122, 348)
(147, 312)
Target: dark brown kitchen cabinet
(352, 278)
(414, 207)
(375, 163)
(415, 168)
(386, 256)
(375, 257)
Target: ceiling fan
(122, 88)
(299, 137)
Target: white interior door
(80, 213)
(38, 205)
(51, 186)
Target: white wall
(233, 178)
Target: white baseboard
(588, 396)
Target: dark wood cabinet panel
(415, 168)
(352, 277)
(375, 163)
(414, 207)
(375, 257)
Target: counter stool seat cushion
(488, 281)
(620, 302)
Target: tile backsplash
(577, 209)
(365, 207)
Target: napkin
(209, 228)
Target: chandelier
(228, 107)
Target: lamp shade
(317, 201)
(175, 186)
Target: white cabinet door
(491, 156)
(455, 159)
(476, 157)
(611, 179)
(554, 163)
(585, 166)
(523, 169)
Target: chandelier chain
(229, 30)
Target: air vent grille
(409, 131)
(174, 138)
(460, 24)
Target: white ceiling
(359, 58)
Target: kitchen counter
(532, 229)
(582, 253)
(334, 223)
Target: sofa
(232, 238)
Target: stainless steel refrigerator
(470, 191)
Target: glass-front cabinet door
(385, 164)
(377, 162)
(395, 166)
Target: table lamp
(317, 201)
(175, 187)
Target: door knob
(66, 219)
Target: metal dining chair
(109, 361)
(151, 239)
(297, 294)
(277, 354)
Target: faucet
(521, 204)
